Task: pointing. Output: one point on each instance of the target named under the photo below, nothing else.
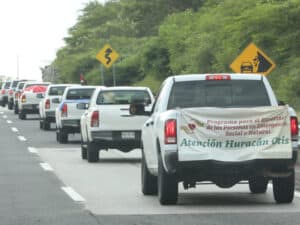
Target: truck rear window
(225, 93)
(123, 97)
(57, 90)
(20, 85)
(80, 93)
(15, 83)
(7, 85)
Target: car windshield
(228, 93)
(123, 97)
(76, 94)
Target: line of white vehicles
(126, 118)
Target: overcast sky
(34, 31)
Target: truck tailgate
(234, 134)
(117, 117)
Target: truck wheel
(10, 105)
(283, 188)
(41, 124)
(46, 125)
(167, 186)
(92, 152)
(62, 137)
(149, 181)
(258, 185)
(83, 149)
(22, 115)
(16, 110)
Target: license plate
(128, 135)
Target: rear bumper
(30, 108)
(4, 99)
(70, 126)
(122, 140)
(50, 116)
(212, 170)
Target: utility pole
(17, 67)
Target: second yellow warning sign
(253, 60)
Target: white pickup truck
(4, 93)
(50, 102)
(68, 113)
(108, 124)
(222, 128)
(32, 94)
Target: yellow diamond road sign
(253, 60)
(107, 56)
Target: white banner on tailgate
(234, 134)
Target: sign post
(107, 56)
(253, 60)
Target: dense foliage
(159, 38)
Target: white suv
(108, 124)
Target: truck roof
(234, 76)
(126, 88)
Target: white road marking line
(46, 166)
(32, 150)
(9, 121)
(4, 117)
(73, 194)
(14, 129)
(21, 138)
(1, 112)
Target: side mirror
(138, 109)
(56, 100)
(82, 105)
(281, 102)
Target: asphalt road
(43, 182)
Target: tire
(167, 186)
(83, 150)
(258, 185)
(41, 124)
(57, 137)
(16, 109)
(22, 115)
(148, 181)
(10, 105)
(283, 188)
(46, 125)
(92, 152)
(62, 136)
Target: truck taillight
(47, 103)
(95, 119)
(170, 132)
(3, 92)
(218, 77)
(64, 110)
(294, 128)
(16, 95)
(23, 98)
